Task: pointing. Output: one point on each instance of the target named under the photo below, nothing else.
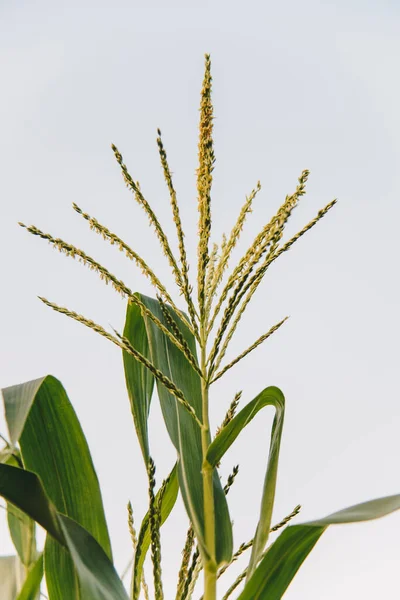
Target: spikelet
(131, 526)
(171, 387)
(309, 226)
(141, 200)
(231, 479)
(192, 576)
(134, 539)
(187, 289)
(105, 276)
(251, 286)
(154, 519)
(245, 546)
(233, 239)
(268, 237)
(255, 345)
(186, 554)
(272, 232)
(210, 274)
(123, 343)
(230, 413)
(286, 520)
(179, 337)
(204, 180)
(123, 247)
(235, 584)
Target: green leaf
(25, 490)
(286, 555)
(184, 432)
(11, 577)
(139, 380)
(97, 577)
(167, 504)
(40, 416)
(271, 396)
(31, 588)
(23, 534)
(22, 528)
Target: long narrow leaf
(97, 577)
(183, 430)
(286, 555)
(139, 380)
(40, 416)
(271, 396)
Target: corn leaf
(22, 531)
(270, 396)
(22, 528)
(31, 588)
(139, 380)
(11, 577)
(41, 418)
(286, 555)
(183, 430)
(167, 504)
(98, 579)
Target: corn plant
(46, 472)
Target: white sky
(296, 85)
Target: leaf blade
(139, 381)
(286, 555)
(53, 446)
(183, 430)
(97, 576)
(270, 396)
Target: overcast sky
(296, 85)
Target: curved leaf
(22, 528)
(41, 418)
(97, 577)
(167, 504)
(139, 380)
(286, 555)
(183, 430)
(271, 396)
(31, 588)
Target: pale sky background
(296, 85)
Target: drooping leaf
(97, 577)
(183, 430)
(25, 490)
(31, 588)
(22, 528)
(139, 380)
(41, 418)
(271, 396)
(286, 555)
(11, 577)
(168, 500)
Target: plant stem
(210, 566)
